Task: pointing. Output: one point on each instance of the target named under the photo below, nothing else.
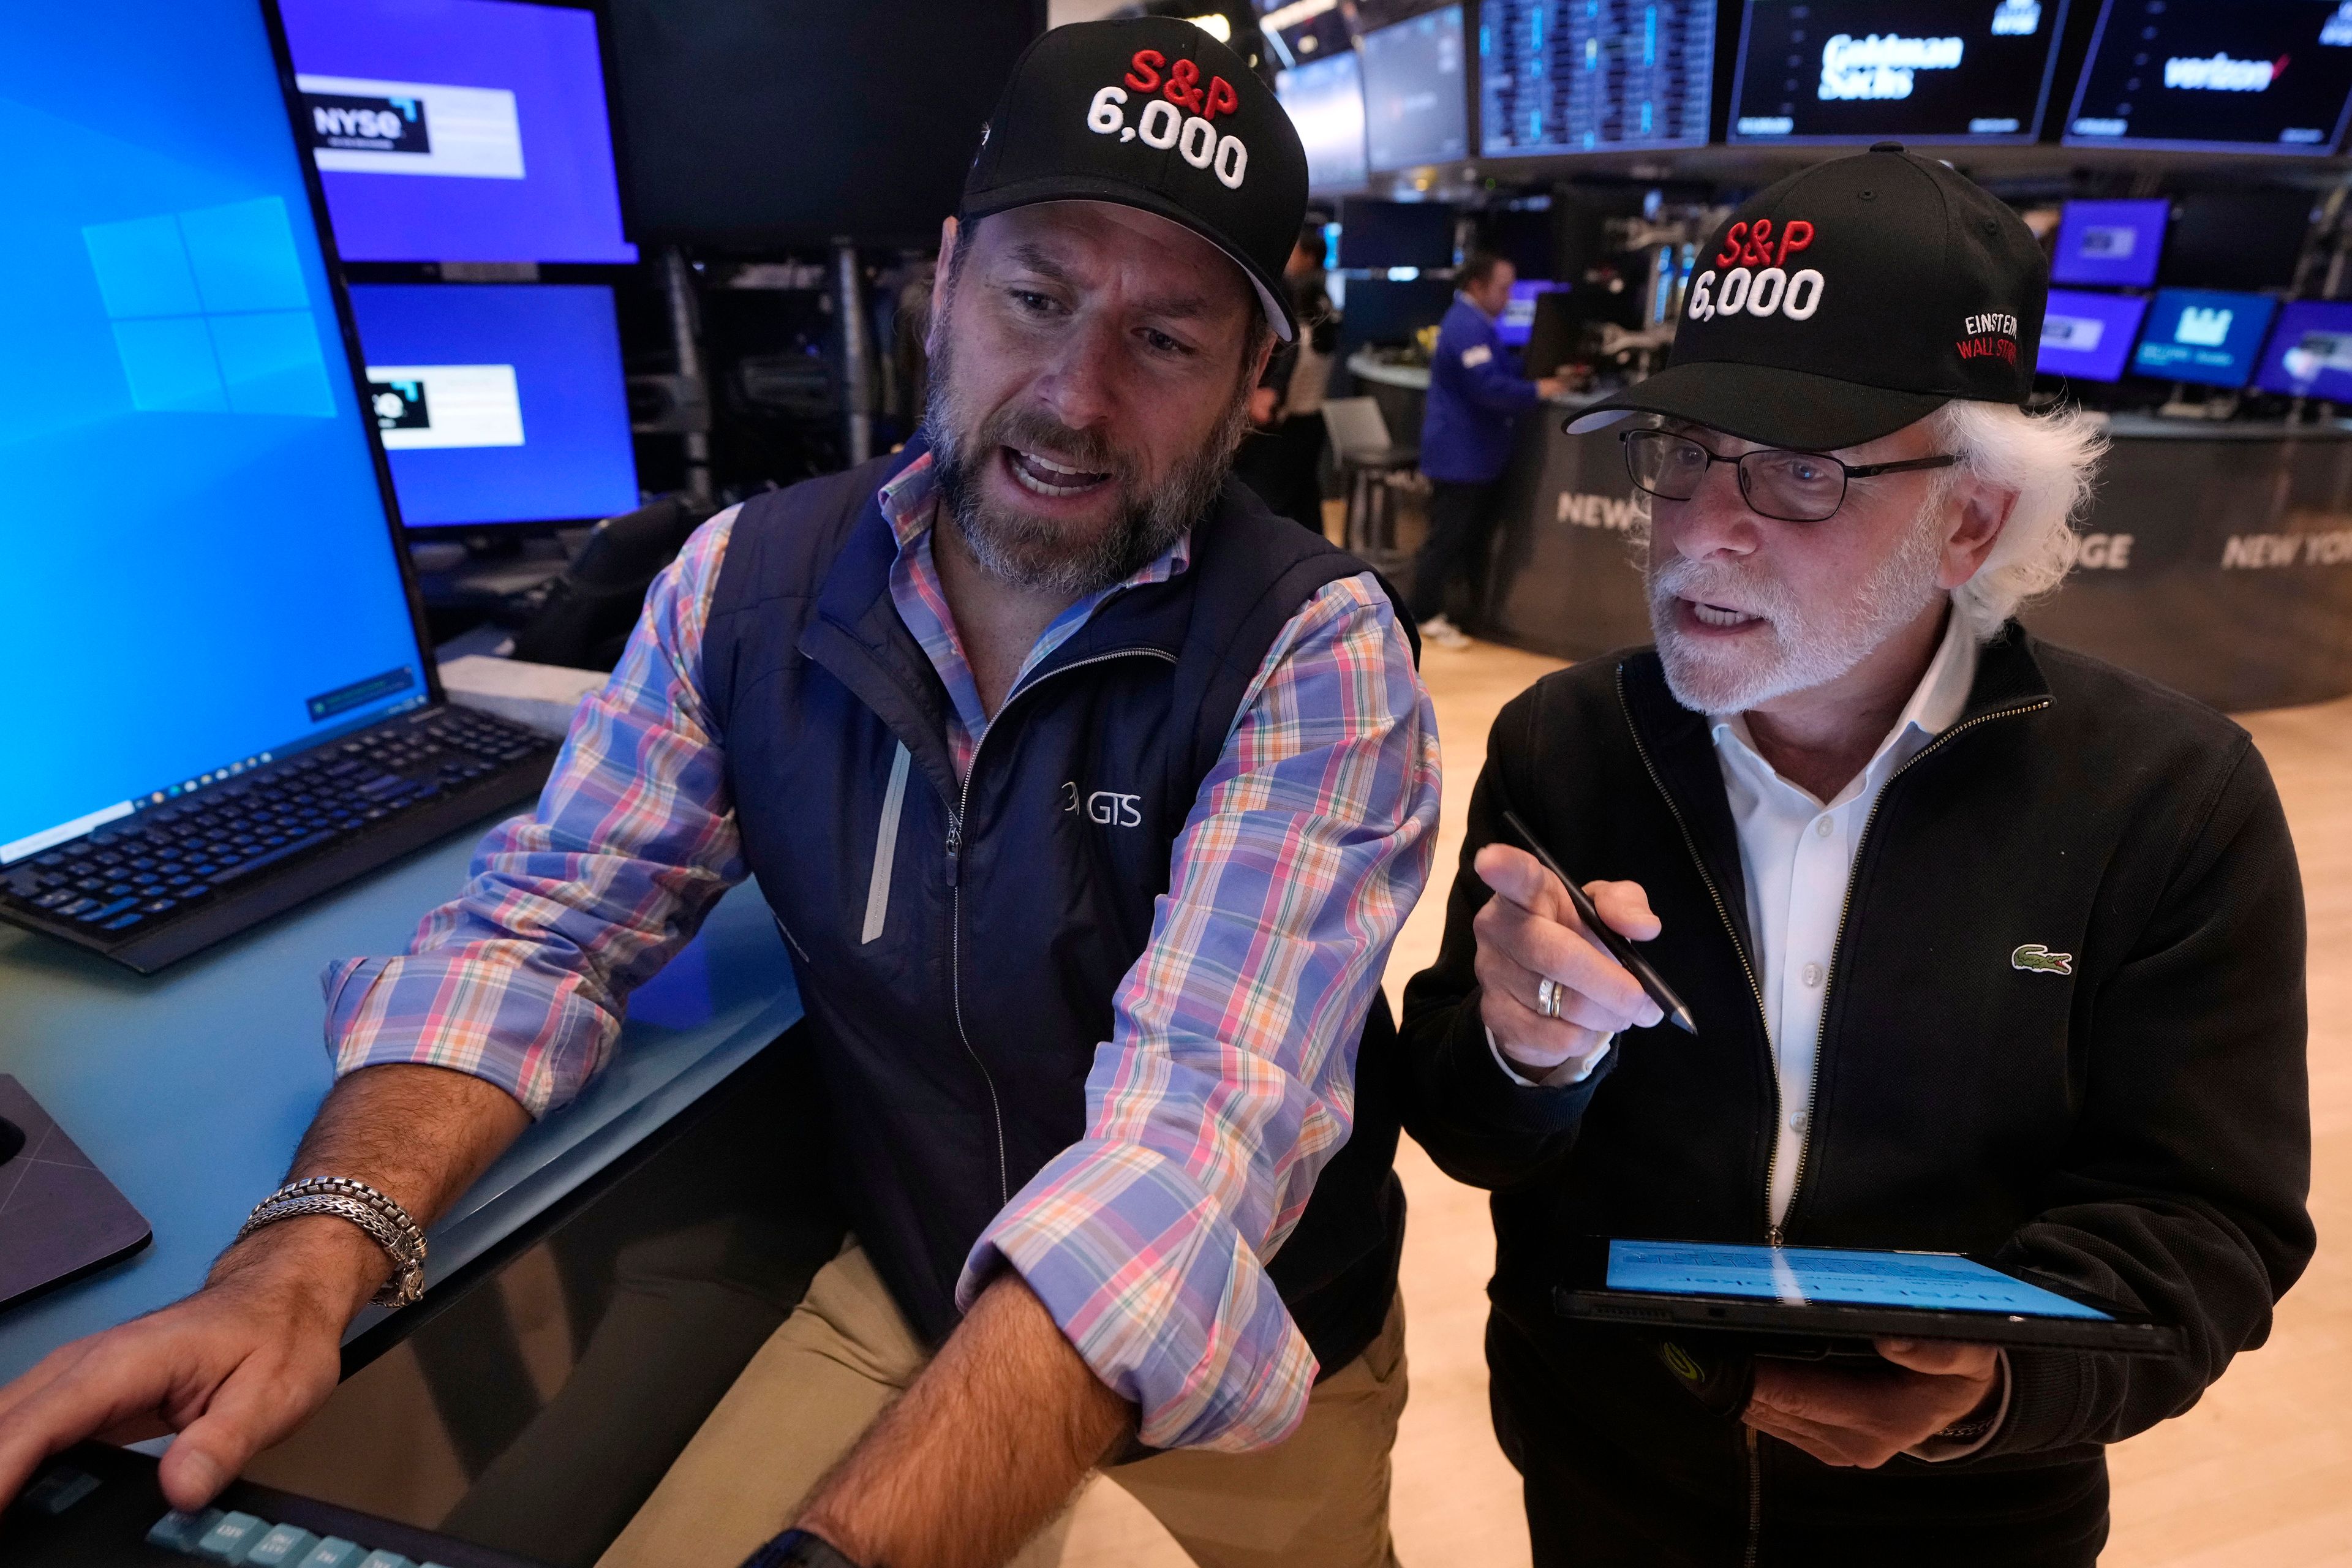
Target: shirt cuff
(1560, 1077)
(521, 1025)
(1937, 1450)
(1159, 1294)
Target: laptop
(220, 700)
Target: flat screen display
(1416, 92)
(2311, 353)
(1816, 71)
(1588, 75)
(2115, 243)
(2087, 336)
(1518, 317)
(197, 539)
(1935, 1281)
(1378, 234)
(1324, 100)
(498, 402)
(2204, 335)
(2223, 75)
(459, 130)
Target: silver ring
(1547, 997)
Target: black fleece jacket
(2137, 1128)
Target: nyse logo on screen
(368, 124)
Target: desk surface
(191, 1088)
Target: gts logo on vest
(1105, 808)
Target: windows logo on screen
(210, 314)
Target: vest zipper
(1837, 946)
(1755, 1499)
(955, 883)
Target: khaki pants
(1319, 1500)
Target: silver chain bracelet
(386, 1223)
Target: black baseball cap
(1850, 300)
(1155, 114)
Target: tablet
(1839, 1294)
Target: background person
(1282, 458)
(1468, 427)
(1090, 797)
(1993, 948)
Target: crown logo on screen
(2202, 328)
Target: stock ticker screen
(1825, 71)
(1588, 76)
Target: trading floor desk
(190, 1088)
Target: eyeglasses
(1793, 486)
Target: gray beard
(1811, 646)
(1028, 552)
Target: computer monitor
(2115, 243)
(2204, 335)
(1416, 92)
(498, 402)
(201, 566)
(2232, 76)
(2247, 238)
(2087, 336)
(1325, 100)
(1594, 76)
(459, 130)
(1379, 235)
(2311, 353)
(1518, 317)
(1936, 71)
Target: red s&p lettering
(1793, 239)
(1183, 86)
(1145, 76)
(1758, 251)
(1732, 241)
(1222, 99)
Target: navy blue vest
(959, 945)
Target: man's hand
(233, 1369)
(1529, 932)
(976, 1456)
(1261, 405)
(1868, 1415)
(1551, 387)
(243, 1361)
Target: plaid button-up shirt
(1228, 1079)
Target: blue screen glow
(196, 541)
(2204, 335)
(2311, 353)
(459, 130)
(1941, 1281)
(498, 402)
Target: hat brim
(1766, 404)
(1086, 188)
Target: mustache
(1752, 593)
(1034, 430)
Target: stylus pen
(1619, 948)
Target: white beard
(1811, 645)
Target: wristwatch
(799, 1549)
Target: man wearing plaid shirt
(1090, 797)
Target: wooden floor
(2258, 1475)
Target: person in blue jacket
(1476, 397)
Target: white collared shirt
(1796, 854)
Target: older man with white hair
(1990, 948)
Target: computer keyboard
(97, 1507)
(164, 882)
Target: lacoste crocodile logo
(2037, 958)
